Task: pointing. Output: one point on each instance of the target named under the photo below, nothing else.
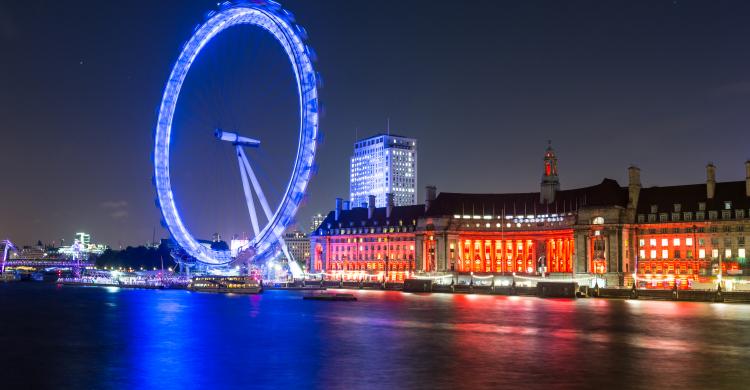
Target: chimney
(747, 178)
(347, 205)
(429, 196)
(710, 181)
(389, 203)
(634, 186)
(339, 202)
(370, 206)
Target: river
(90, 337)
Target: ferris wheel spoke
(256, 186)
(248, 194)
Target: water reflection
(91, 337)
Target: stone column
(419, 254)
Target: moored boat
(331, 297)
(226, 284)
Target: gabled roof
(606, 193)
(688, 196)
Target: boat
(331, 297)
(226, 284)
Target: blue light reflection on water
(119, 338)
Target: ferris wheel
(266, 239)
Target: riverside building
(661, 237)
(384, 164)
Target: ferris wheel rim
(276, 21)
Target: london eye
(267, 232)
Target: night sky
(483, 85)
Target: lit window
(664, 242)
(643, 253)
(652, 242)
(727, 253)
(741, 253)
(689, 241)
(664, 253)
(676, 242)
(701, 253)
(715, 253)
(641, 242)
(653, 254)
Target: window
(653, 254)
(689, 254)
(664, 242)
(700, 215)
(677, 207)
(726, 214)
(689, 241)
(654, 208)
(713, 214)
(727, 205)
(598, 221)
(727, 253)
(714, 253)
(688, 216)
(643, 253)
(641, 242)
(676, 254)
(676, 242)
(702, 206)
(663, 217)
(701, 253)
(664, 254)
(741, 253)
(652, 217)
(739, 213)
(641, 218)
(652, 242)
(675, 216)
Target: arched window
(598, 221)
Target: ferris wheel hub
(235, 138)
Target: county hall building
(659, 236)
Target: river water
(89, 337)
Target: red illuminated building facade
(659, 236)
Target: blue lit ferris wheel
(269, 16)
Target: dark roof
(606, 193)
(382, 135)
(357, 217)
(688, 196)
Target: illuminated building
(315, 221)
(676, 236)
(383, 164)
(367, 243)
(83, 238)
(693, 233)
(298, 244)
(85, 248)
